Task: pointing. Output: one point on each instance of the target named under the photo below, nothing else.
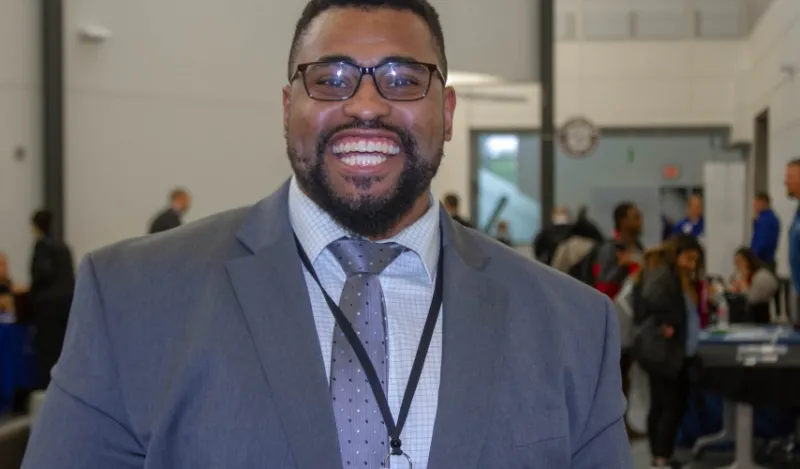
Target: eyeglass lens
(395, 81)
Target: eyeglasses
(395, 81)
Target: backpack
(583, 270)
(547, 242)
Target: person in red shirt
(620, 257)
(616, 260)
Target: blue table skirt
(17, 362)
(704, 414)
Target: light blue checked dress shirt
(408, 285)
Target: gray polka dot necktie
(363, 438)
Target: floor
(637, 415)
(641, 458)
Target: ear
(287, 103)
(449, 111)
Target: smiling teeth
(364, 146)
(363, 160)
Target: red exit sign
(671, 172)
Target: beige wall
(186, 92)
(20, 187)
(761, 84)
(615, 84)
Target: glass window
(508, 185)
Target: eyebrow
(353, 61)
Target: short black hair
(764, 197)
(621, 212)
(43, 220)
(794, 162)
(421, 8)
(451, 200)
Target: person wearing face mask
(346, 320)
(547, 241)
(666, 303)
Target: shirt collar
(316, 229)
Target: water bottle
(723, 320)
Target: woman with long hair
(668, 302)
(754, 280)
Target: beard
(369, 216)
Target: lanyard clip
(388, 456)
(397, 446)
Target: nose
(367, 104)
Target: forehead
(367, 36)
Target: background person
(172, 217)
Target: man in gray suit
(345, 320)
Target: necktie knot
(358, 256)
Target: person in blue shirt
(766, 230)
(693, 223)
(792, 182)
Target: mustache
(407, 141)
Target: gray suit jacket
(197, 349)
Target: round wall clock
(579, 137)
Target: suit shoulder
(196, 242)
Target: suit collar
(474, 339)
(462, 241)
(269, 220)
(271, 289)
(274, 299)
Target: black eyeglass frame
(433, 69)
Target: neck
(419, 209)
(695, 218)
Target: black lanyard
(395, 429)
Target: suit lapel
(271, 289)
(474, 331)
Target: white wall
(20, 180)
(507, 44)
(186, 92)
(615, 84)
(761, 84)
